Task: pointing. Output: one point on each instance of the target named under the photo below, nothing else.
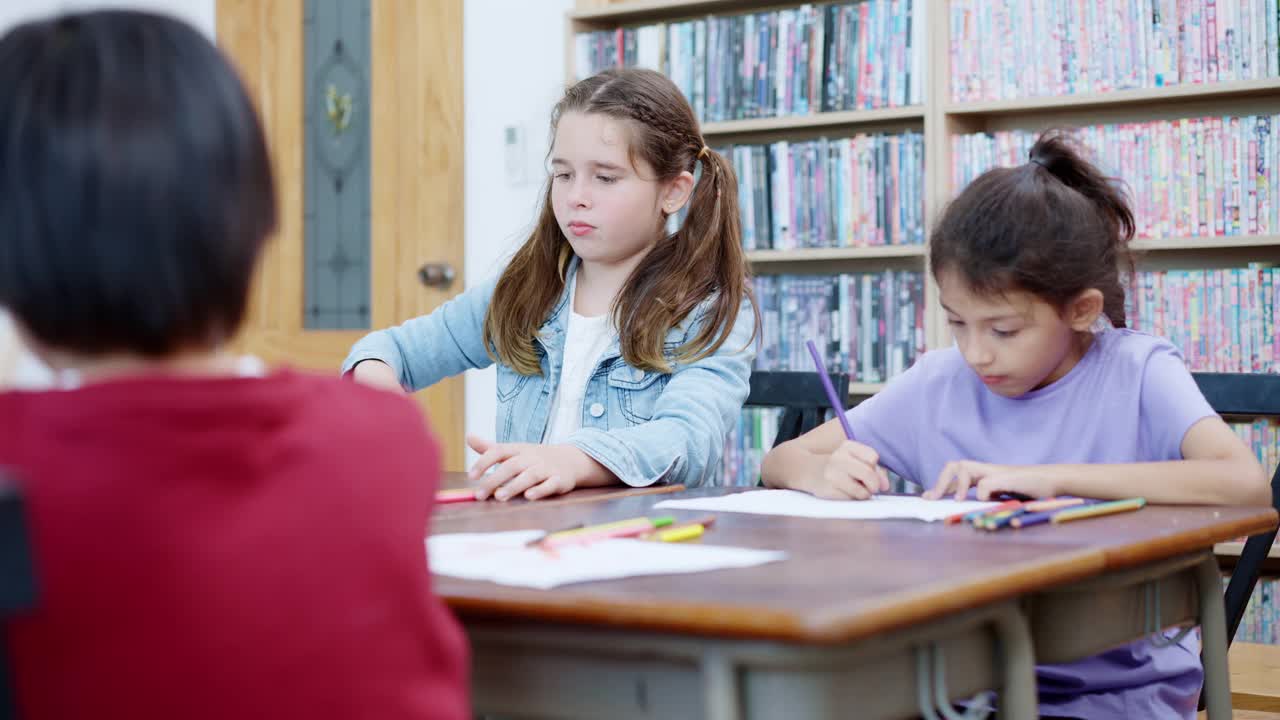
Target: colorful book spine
(792, 61)
(1098, 46)
(873, 322)
(1189, 177)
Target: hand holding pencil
(852, 471)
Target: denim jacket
(645, 426)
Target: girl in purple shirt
(1044, 393)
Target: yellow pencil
(1052, 504)
(680, 534)
(593, 533)
(703, 523)
(1098, 510)
(587, 529)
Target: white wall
(199, 13)
(513, 73)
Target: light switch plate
(515, 154)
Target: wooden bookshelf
(945, 118)
(850, 118)
(627, 12)
(1229, 552)
(764, 257)
(1207, 243)
(1148, 97)
(939, 118)
(1233, 549)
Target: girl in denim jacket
(623, 351)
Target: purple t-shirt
(1129, 399)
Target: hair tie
(703, 152)
(1040, 162)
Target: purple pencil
(832, 395)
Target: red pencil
(961, 517)
(445, 497)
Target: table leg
(1213, 639)
(1018, 666)
(722, 700)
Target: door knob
(436, 275)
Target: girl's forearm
(1178, 482)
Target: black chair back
(1251, 396)
(800, 394)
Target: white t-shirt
(585, 340)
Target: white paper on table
(800, 504)
(504, 558)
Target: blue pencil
(1028, 519)
(1044, 516)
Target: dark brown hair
(702, 259)
(1053, 227)
(135, 187)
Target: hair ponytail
(704, 258)
(1054, 227)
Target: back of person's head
(135, 186)
(701, 260)
(1053, 227)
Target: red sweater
(229, 548)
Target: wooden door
(415, 197)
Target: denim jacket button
(596, 410)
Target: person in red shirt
(210, 540)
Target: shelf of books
(851, 123)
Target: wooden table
(452, 480)
(866, 619)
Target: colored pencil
(545, 535)
(1035, 518)
(590, 535)
(1053, 504)
(446, 497)
(702, 522)
(833, 397)
(680, 534)
(1098, 510)
(973, 514)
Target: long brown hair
(702, 259)
(1053, 227)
